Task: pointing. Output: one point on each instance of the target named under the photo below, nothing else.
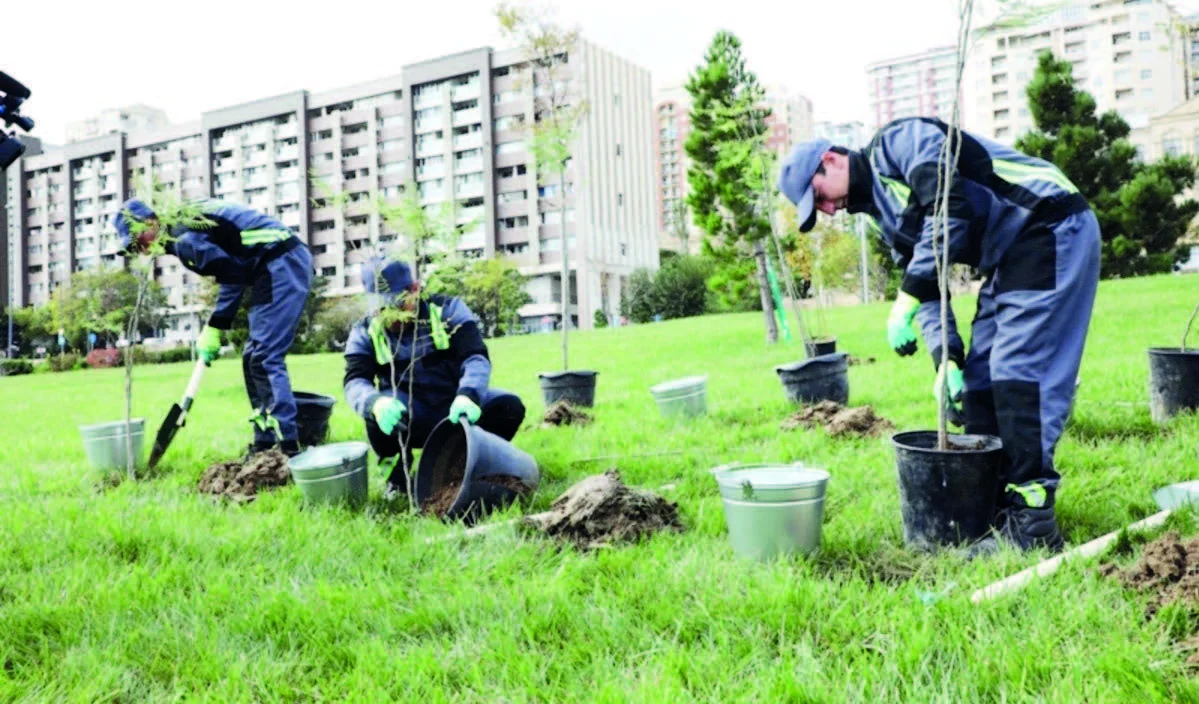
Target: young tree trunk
(565, 266)
(772, 328)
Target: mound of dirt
(562, 413)
(1168, 569)
(839, 420)
(241, 482)
(601, 510)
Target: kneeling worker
(430, 346)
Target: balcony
(472, 140)
(291, 173)
(432, 195)
(428, 173)
(430, 148)
(427, 99)
(291, 218)
(288, 152)
(468, 190)
(224, 144)
(466, 215)
(469, 116)
(469, 91)
(286, 131)
(468, 166)
(356, 140)
(258, 180)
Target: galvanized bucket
(682, 397)
(104, 443)
(772, 509)
(332, 474)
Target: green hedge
(15, 367)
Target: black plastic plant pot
(576, 387)
(312, 417)
(467, 454)
(822, 346)
(946, 497)
(1173, 381)
(823, 378)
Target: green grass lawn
(151, 591)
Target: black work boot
(1020, 527)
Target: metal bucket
(332, 473)
(104, 443)
(772, 509)
(682, 397)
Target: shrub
(141, 355)
(15, 367)
(601, 319)
(102, 358)
(64, 362)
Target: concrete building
(131, 118)
(851, 135)
(790, 121)
(454, 127)
(1128, 54)
(913, 85)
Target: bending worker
(419, 359)
(242, 249)
(1034, 237)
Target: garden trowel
(177, 416)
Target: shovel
(1168, 498)
(177, 416)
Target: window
(618, 149)
(1146, 73)
(1172, 146)
(624, 251)
(1145, 36)
(620, 199)
(616, 100)
(329, 271)
(509, 148)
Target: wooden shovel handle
(1048, 567)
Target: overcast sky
(187, 57)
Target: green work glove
(956, 385)
(208, 344)
(388, 412)
(900, 334)
(463, 406)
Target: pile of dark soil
(601, 510)
(1168, 570)
(240, 482)
(839, 420)
(562, 413)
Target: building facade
(1132, 56)
(131, 118)
(913, 85)
(453, 127)
(790, 121)
(851, 135)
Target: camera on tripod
(12, 94)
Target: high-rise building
(131, 118)
(913, 85)
(851, 135)
(1126, 53)
(790, 121)
(452, 127)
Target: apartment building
(1131, 55)
(914, 85)
(131, 118)
(790, 121)
(851, 135)
(453, 127)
